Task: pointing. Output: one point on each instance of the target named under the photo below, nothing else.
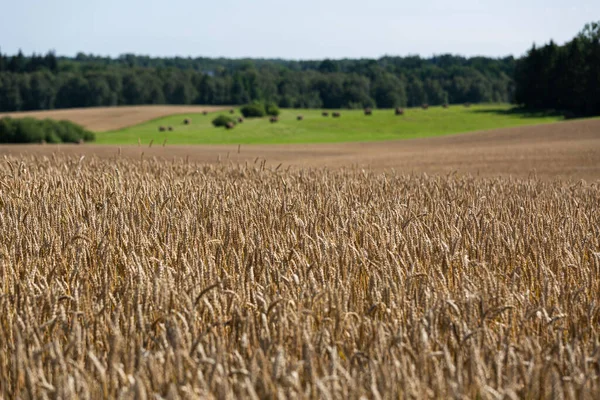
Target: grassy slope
(352, 126)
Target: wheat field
(148, 279)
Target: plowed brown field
(565, 150)
(101, 119)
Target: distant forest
(46, 81)
(556, 77)
(562, 78)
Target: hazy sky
(298, 30)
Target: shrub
(222, 120)
(257, 110)
(254, 110)
(272, 110)
(30, 130)
(240, 120)
(187, 121)
(69, 132)
(7, 130)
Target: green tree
(238, 91)
(206, 90)
(565, 78)
(17, 63)
(10, 94)
(416, 92)
(389, 91)
(41, 92)
(99, 92)
(331, 90)
(3, 62)
(134, 90)
(436, 95)
(73, 92)
(328, 66)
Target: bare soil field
(101, 119)
(569, 150)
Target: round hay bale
(425, 106)
(300, 117)
(273, 120)
(336, 115)
(368, 111)
(230, 125)
(162, 129)
(399, 111)
(325, 114)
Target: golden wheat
(137, 279)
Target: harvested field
(102, 119)
(567, 149)
(128, 278)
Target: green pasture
(352, 126)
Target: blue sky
(310, 29)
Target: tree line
(562, 78)
(47, 82)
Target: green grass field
(352, 126)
